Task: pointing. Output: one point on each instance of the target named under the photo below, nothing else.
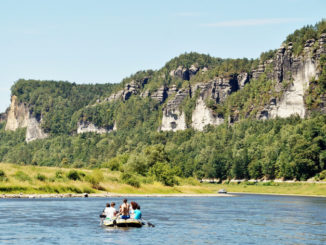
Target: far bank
(35, 180)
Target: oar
(148, 223)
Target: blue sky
(104, 41)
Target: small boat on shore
(222, 191)
(123, 223)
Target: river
(243, 219)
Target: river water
(244, 219)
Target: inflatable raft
(123, 223)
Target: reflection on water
(246, 219)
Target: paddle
(148, 223)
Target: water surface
(245, 219)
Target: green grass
(309, 189)
(44, 180)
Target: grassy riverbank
(37, 180)
(305, 189)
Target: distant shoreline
(274, 194)
(108, 195)
(111, 195)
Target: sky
(103, 41)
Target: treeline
(300, 36)
(280, 148)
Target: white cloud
(252, 22)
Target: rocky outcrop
(220, 88)
(87, 127)
(185, 73)
(296, 70)
(203, 116)
(19, 116)
(132, 88)
(160, 95)
(217, 90)
(34, 130)
(173, 118)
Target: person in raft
(137, 212)
(133, 206)
(124, 210)
(110, 210)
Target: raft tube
(123, 223)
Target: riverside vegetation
(142, 157)
(15, 179)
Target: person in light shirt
(110, 211)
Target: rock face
(203, 116)
(19, 117)
(217, 90)
(132, 88)
(86, 127)
(34, 130)
(185, 73)
(174, 119)
(296, 70)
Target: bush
(20, 175)
(95, 178)
(40, 177)
(129, 179)
(59, 174)
(164, 174)
(322, 175)
(73, 175)
(3, 176)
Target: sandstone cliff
(19, 117)
(87, 127)
(298, 71)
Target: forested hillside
(241, 91)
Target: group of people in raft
(126, 210)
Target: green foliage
(75, 175)
(40, 177)
(322, 175)
(315, 94)
(95, 178)
(164, 174)
(21, 176)
(300, 36)
(59, 174)
(264, 56)
(130, 179)
(3, 176)
(61, 101)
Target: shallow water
(245, 219)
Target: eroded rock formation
(296, 70)
(87, 127)
(19, 116)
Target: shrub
(95, 178)
(3, 176)
(322, 175)
(40, 177)
(164, 174)
(59, 174)
(129, 179)
(20, 175)
(73, 175)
